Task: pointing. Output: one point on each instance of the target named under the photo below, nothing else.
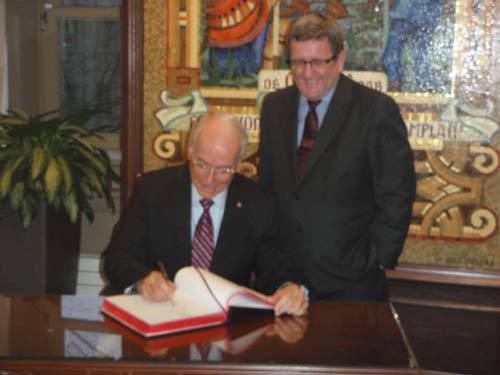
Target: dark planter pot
(42, 259)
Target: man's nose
(307, 70)
(210, 176)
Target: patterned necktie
(203, 241)
(311, 128)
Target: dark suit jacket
(350, 211)
(156, 227)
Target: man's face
(314, 82)
(213, 159)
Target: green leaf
(16, 195)
(113, 176)
(71, 206)
(6, 177)
(26, 213)
(38, 162)
(38, 187)
(27, 145)
(95, 183)
(75, 129)
(81, 117)
(66, 173)
(47, 117)
(110, 202)
(91, 178)
(56, 203)
(87, 210)
(85, 143)
(8, 154)
(20, 113)
(12, 121)
(85, 188)
(95, 161)
(5, 140)
(52, 179)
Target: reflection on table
(70, 328)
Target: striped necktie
(311, 129)
(203, 241)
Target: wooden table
(50, 335)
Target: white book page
(189, 281)
(250, 301)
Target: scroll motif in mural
(449, 192)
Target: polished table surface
(53, 335)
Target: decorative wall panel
(439, 59)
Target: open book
(202, 299)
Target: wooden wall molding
(445, 275)
(445, 288)
(133, 96)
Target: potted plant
(48, 163)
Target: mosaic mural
(439, 59)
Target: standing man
(201, 214)
(338, 157)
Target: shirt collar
(324, 100)
(219, 199)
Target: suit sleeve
(125, 255)
(269, 272)
(394, 183)
(288, 268)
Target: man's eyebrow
(214, 166)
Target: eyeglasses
(314, 63)
(204, 168)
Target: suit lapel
(332, 123)
(289, 124)
(182, 207)
(230, 226)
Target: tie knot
(206, 203)
(313, 104)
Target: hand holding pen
(157, 286)
(163, 271)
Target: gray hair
(221, 118)
(315, 26)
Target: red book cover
(147, 328)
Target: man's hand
(156, 288)
(289, 299)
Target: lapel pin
(239, 204)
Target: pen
(163, 270)
(165, 274)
